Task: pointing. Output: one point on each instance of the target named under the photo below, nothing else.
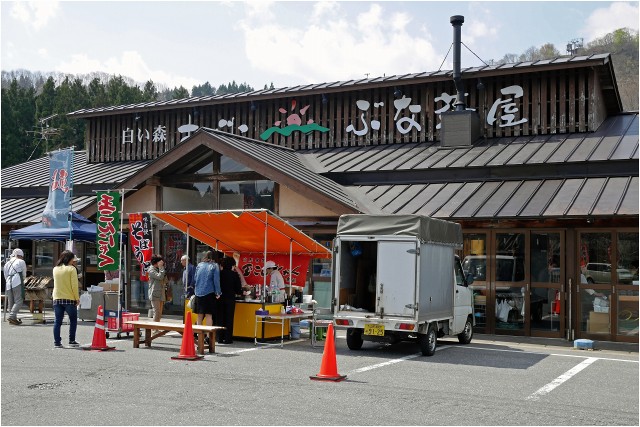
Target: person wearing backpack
(15, 273)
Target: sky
(287, 43)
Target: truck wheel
(427, 342)
(465, 336)
(354, 338)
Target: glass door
(474, 261)
(510, 289)
(547, 296)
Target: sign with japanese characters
(140, 239)
(56, 213)
(295, 274)
(108, 230)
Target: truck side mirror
(468, 280)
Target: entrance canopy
(244, 231)
(81, 229)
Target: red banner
(251, 265)
(140, 238)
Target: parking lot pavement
(491, 381)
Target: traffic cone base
(188, 347)
(99, 342)
(328, 367)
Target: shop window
(247, 195)
(474, 261)
(228, 165)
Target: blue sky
(288, 42)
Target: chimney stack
(461, 127)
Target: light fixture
(253, 106)
(195, 112)
(137, 117)
(480, 85)
(397, 92)
(325, 100)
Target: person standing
(15, 273)
(231, 281)
(65, 297)
(157, 285)
(188, 277)
(276, 281)
(207, 288)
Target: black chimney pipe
(457, 21)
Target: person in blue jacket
(207, 289)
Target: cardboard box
(109, 287)
(598, 322)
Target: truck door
(396, 278)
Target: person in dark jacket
(231, 281)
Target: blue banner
(56, 213)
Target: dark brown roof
(521, 199)
(607, 79)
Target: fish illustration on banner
(56, 212)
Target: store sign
(294, 274)
(140, 239)
(108, 235)
(56, 213)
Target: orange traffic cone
(99, 338)
(188, 347)
(329, 368)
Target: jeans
(14, 300)
(72, 311)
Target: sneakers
(13, 321)
(74, 344)
(57, 345)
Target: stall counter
(244, 320)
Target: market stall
(253, 236)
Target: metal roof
(615, 139)
(522, 199)
(29, 210)
(468, 72)
(34, 173)
(286, 161)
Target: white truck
(396, 277)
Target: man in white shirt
(276, 281)
(15, 273)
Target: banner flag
(140, 238)
(108, 227)
(56, 213)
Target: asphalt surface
(492, 381)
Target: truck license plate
(371, 329)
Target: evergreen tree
(18, 116)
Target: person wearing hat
(15, 273)
(276, 281)
(66, 297)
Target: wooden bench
(162, 328)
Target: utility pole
(44, 132)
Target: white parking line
(561, 379)
(545, 354)
(391, 362)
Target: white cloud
(606, 20)
(337, 49)
(323, 9)
(35, 14)
(130, 64)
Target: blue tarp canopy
(81, 229)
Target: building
(541, 170)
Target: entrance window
(474, 261)
(510, 281)
(627, 289)
(545, 300)
(247, 195)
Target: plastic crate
(124, 327)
